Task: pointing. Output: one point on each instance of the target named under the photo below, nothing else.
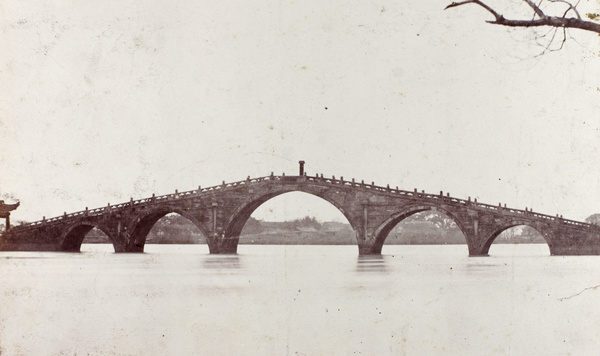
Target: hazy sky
(103, 100)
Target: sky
(105, 100)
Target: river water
(299, 300)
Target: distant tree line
(593, 219)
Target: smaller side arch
(490, 240)
(382, 232)
(143, 223)
(73, 236)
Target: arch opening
(292, 218)
(95, 240)
(166, 227)
(74, 238)
(422, 225)
(518, 240)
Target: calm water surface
(299, 300)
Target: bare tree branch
(455, 4)
(547, 46)
(542, 20)
(535, 8)
(571, 7)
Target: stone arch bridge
(220, 212)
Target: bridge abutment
(481, 229)
(223, 250)
(219, 245)
(370, 248)
(128, 248)
(566, 241)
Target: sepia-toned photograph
(299, 177)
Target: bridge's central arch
(286, 206)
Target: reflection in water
(222, 262)
(481, 267)
(371, 263)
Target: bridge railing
(447, 199)
(316, 179)
(145, 201)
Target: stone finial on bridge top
(301, 172)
